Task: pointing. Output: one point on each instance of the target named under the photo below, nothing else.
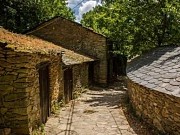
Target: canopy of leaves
(20, 15)
(135, 26)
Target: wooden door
(68, 85)
(44, 93)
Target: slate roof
(72, 58)
(158, 70)
(23, 43)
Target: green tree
(21, 15)
(136, 25)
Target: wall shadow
(114, 97)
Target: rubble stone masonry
(80, 78)
(19, 88)
(158, 109)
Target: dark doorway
(110, 70)
(119, 65)
(44, 92)
(68, 85)
(91, 73)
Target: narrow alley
(96, 112)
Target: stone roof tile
(158, 70)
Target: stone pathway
(96, 112)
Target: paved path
(96, 112)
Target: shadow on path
(114, 97)
(99, 111)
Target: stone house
(154, 88)
(34, 78)
(75, 74)
(74, 36)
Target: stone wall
(82, 40)
(160, 110)
(80, 78)
(19, 89)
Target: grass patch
(39, 131)
(57, 106)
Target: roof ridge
(37, 27)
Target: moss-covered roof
(23, 43)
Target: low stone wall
(160, 110)
(80, 78)
(19, 89)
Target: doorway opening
(68, 85)
(91, 73)
(44, 92)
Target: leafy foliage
(136, 25)
(20, 15)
